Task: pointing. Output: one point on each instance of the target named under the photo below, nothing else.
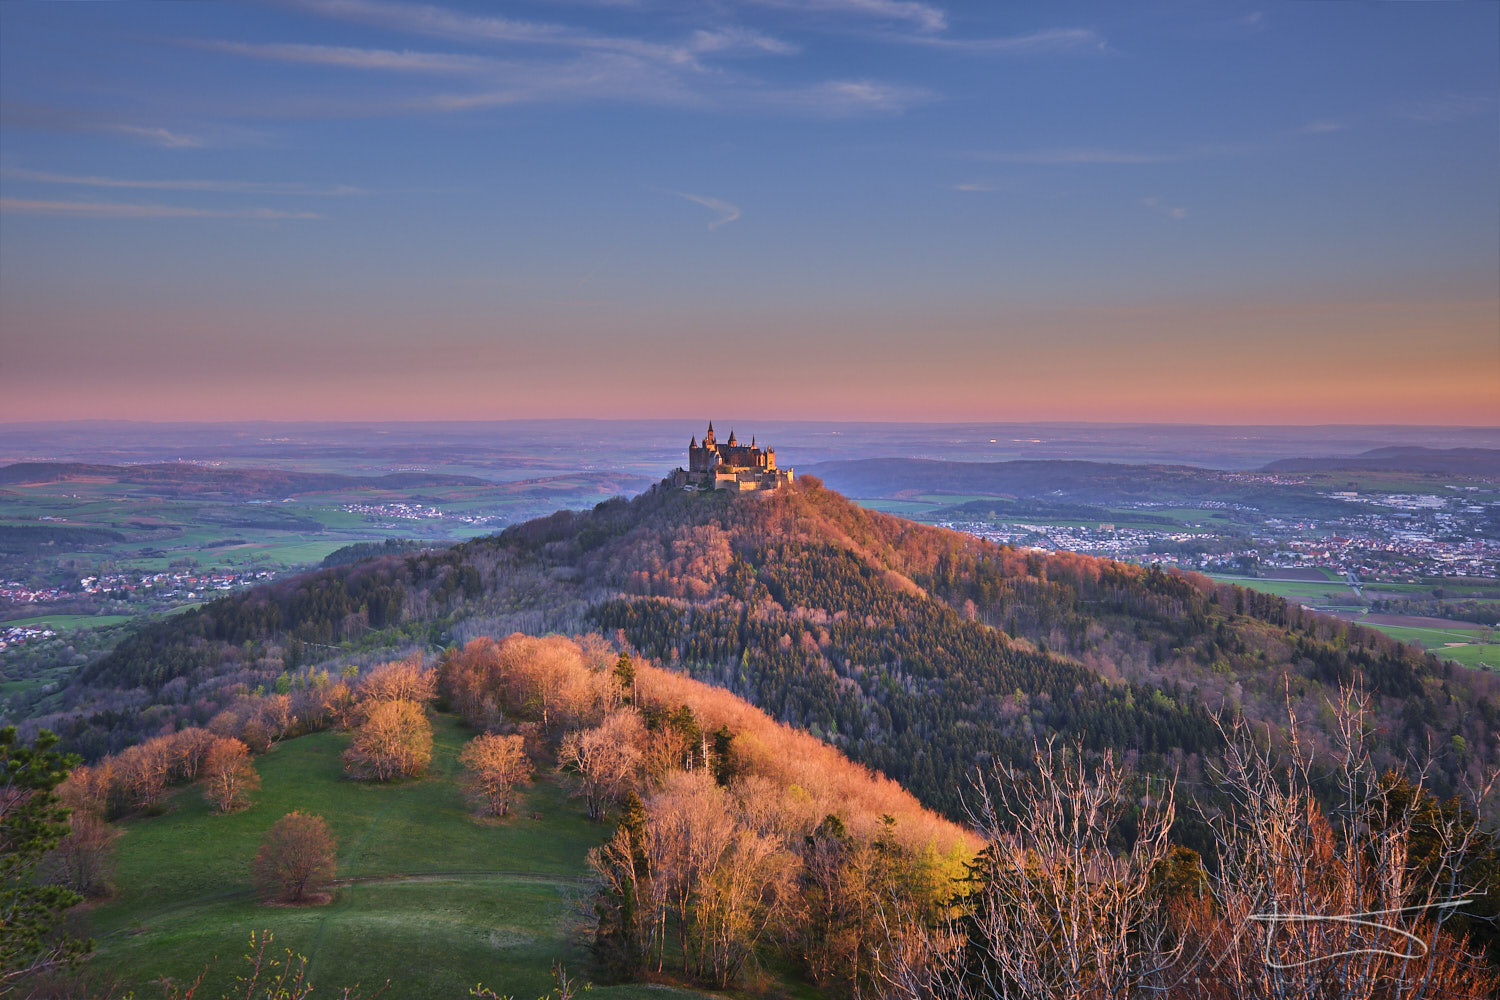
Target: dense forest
(919, 651)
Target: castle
(730, 466)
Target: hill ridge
(794, 600)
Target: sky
(1177, 212)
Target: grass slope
(436, 901)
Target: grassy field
(70, 623)
(430, 897)
(1472, 653)
(1458, 643)
(1319, 595)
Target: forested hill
(917, 650)
(1476, 462)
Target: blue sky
(864, 208)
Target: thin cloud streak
(441, 22)
(52, 118)
(159, 136)
(1048, 40)
(217, 187)
(345, 57)
(838, 98)
(727, 212)
(924, 17)
(114, 210)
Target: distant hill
(1065, 483)
(916, 650)
(1078, 481)
(1478, 462)
(185, 477)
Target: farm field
(496, 904)
(1460, 644)
(1319, 595)
(70, 623)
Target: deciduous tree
(607, 759)
(296, 858)
(494, 765)
(229, 775)
(394, 741)
(399, 680)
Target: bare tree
(144, 770)
(295, 858)
(494, 765)
(1346, 903)
(229, 775)
(82, 860)
(400, 680)
(1055, 912)
(394, 741)
(189, 747)
(607, 759)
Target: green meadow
(70, 623)
(1445, 642)
(1321, 595)
(428, 896)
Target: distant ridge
(1447, 461)
(1024, 478)
(257, 482)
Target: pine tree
(32, 821)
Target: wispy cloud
(217, 187)
(442, 22)
(344, 57)
(159, 136)
(724, 211)
(1047, 40)
(115, 210)
(1157, 203)
(1073, 156)
(982, 187)
(839, 98)
(53, 118)
(923, 17)
(737, 39)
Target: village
(1385, 537)
(173, 588)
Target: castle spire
(732, 441)
(694, 442)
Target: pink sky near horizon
(1185, 362)
(1225, 361)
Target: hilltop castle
(730, 466)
